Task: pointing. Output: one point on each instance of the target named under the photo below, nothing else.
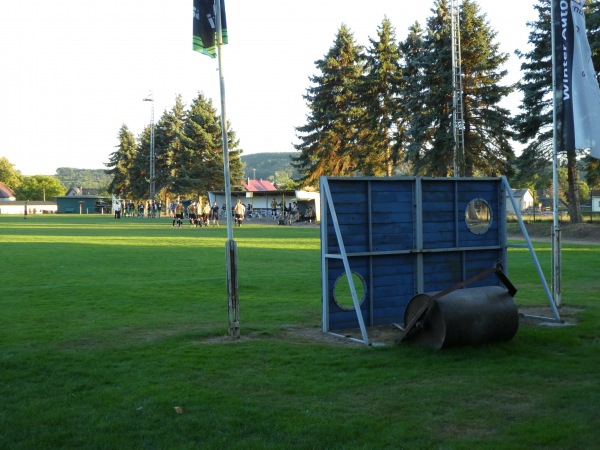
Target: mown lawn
(106, 326)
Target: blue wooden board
(380, 223)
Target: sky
(72, 72)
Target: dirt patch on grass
(530, 316)
(577, 233)
(527, 315)
(387, 334)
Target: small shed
(83, 204)
(595, 194)
(524, 199)
(308, 201)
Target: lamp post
(150, 98)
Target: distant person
(310, 214)
(214, 216)
(206, 213)
(274, 207)
(239, 211)
(193, 210)
(178, 219)
(117, 210)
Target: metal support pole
(556, 257)
(230, 246)
(152, 175)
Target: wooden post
(232, 288)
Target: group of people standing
(150, 209)
(198, 215)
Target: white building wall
(595, 204)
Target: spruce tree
(381, 124)
(140, 172)
(534, 124)
(486, 133)
(169, 143)
(121, 163)
(487, 124)
(328, 139)
(431, 152)
(413, 51)
(200, 163)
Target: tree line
(47, 187)
(188, 154)
(35, 187)
(386, 109)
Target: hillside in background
(266, 164)
(86, 178)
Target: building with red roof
(258, 186)
(6, 193)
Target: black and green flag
(205, 26)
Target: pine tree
(535, 123)
(328, 139)
(487, 149)
(429, 81)
(139, 175)
(381, 126)
(431, 152)
(413, 51)
(169, 143)
(121, 163)
(200, 163)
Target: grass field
(106, 326)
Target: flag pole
(230, 246)
(556, 251)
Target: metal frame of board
(400, 236)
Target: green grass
(106, 326)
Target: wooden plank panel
(404, 208)
(392, 227)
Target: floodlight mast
(152, 176)
(458, 124)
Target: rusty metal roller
(470, 316)
(463, 316)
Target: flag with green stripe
(205, 27)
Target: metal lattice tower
(458, 124)
(152, 177)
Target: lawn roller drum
(463, 316)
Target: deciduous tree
(38, 187)
(10, 176)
